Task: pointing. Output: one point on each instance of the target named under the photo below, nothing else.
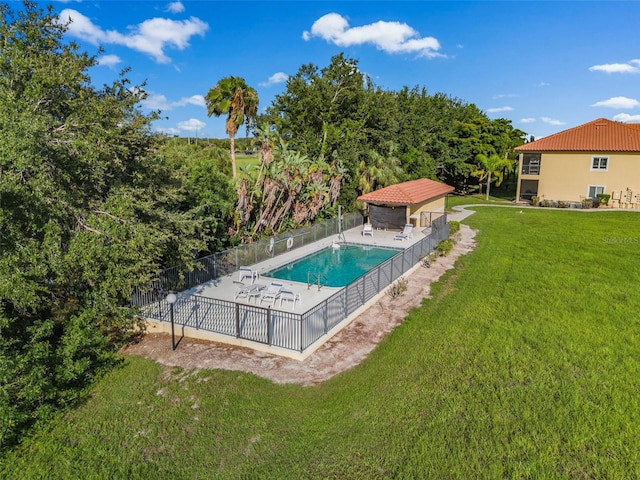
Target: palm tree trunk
(488, 184)
(232, 139)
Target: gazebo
(412, 202)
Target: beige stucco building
(601, 156)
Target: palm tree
(376, 170)
(489, 166)
(233, 97)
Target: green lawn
(525, 364)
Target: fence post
(237, 320)
(196, 308)
(325, 314)
(300, 317)
(269, 325)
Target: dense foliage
(380, 137)
(88, 209)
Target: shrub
(604, 198)
(444, 247)
(398, 288)
(563, 204)
(587, 203)
(535, 201)
(454, 227)
(428, 259)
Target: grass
(524, 364)
(475, 199)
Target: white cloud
(552, 121)
(527, 120)
(543, 84)
(274, 79)
(626, 118)
(160, 102)
(618, 102)
(109, 60)
(629, 67)
(150, 37)
(191, 125)
(390, 37)
(504, 95)
(175, 7)
(167, 131)
(499, 109)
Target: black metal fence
(217, 265)
(289, 330)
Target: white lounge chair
(271, 293)
(291, 296)
(406, 233)
(247, 272)
(246, 291)
(367, 229)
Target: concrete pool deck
(224, 288)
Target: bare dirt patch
(342, 352)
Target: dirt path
(342, 352)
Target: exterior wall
(433, 205)
(568, 175)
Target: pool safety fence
(290, 330)
(217, 265)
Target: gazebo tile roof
(407, 193)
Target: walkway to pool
(207, 311)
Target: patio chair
(406, 233)
(247, 291)
(291, 296)
(271, 293)
(367, 229)
(242, 290)
(247, 272)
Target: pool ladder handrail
(318, 279)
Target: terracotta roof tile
(600, 135)
(407, 193)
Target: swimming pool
(340, 266)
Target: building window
(594, 190)
(599, 163)
(531, 163)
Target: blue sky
(546, 66)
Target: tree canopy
(88, 210)
(338, 113)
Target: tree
(234, 98)
(491, 166)
(87, 212)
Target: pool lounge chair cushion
(367, 229)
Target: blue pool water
(339, 266)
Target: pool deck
(310, 296)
